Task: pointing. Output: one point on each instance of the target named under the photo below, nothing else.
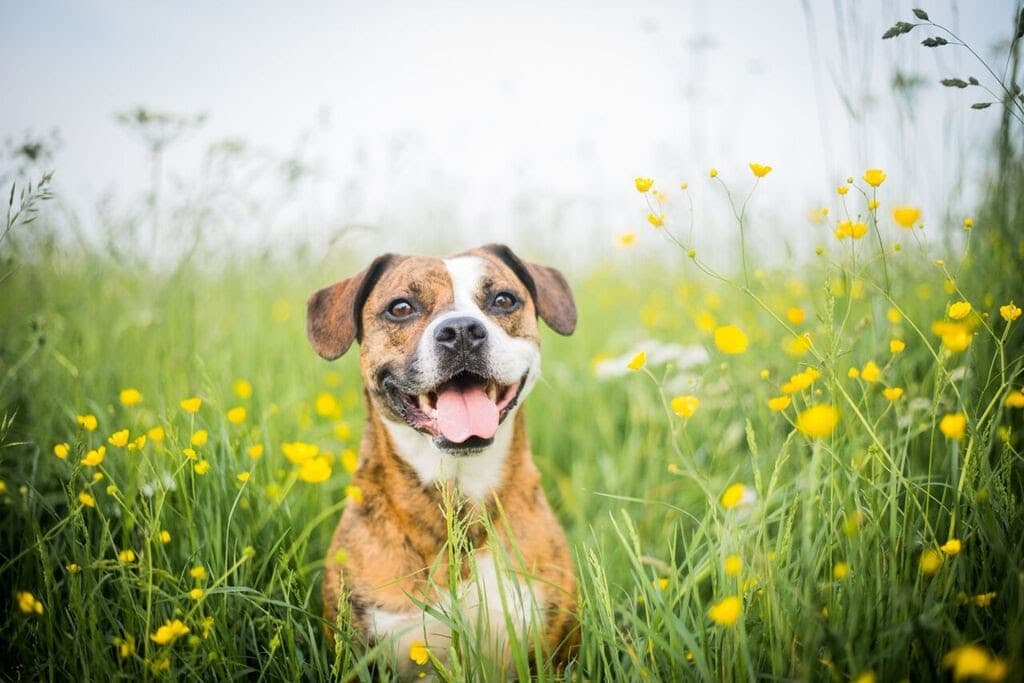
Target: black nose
(461, 334)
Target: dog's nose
(461, 334)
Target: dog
(449, 349)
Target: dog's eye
(504, 302)
(400, 309)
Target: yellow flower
(865, 677)
(953, 425)
(893, 315)
(125, 646)
(818, 421)
(190, 453)
(94, 457)
(683, 186)
(779, 403)
(850, 229)
(119, 438)
(730, 339)
(236, 415)
(661, 583)
(760, 170)
(983, 600)
(968, 223)
(637, 361)
(842, 189)
(255, 451)
(130, 397)
(870, 372)
(159, 665)
(201, 467)
(156, 433)
(955, 336)
(685, 406)
(643, 184)
(873, 204)
(733, 496)
(28, 603)
(1014, 399)
(86, 499)
(242, 388)
(874, 177)
(87, 421)
(897, 346)
(971, 661)
(713, 173)
(61, 450)
(951, 547)
(126, 556)
(892, 393)
(930, 561)
(200, 437)
(906, 216)
(656, 219)
(419, 653)
(191, 405)
(349, 460)
(959, 310)
(733, 565)
(853, 373)
(196, 593)
(299, 452)
(795, 315)
(165, 536)
(243, 477)
(840, 571)
(354, 494)
(73, 568)
(315, 470)
(1009, 312)
(327, 405)
(727, 611)
(169, 632)
(626, 239)
(198, 572)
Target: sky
(440, 126)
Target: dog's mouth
(461, 413)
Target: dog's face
(448, 347)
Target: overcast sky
(519, 122)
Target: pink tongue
(466, 413)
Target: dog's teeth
(492, 390)
(424, 402)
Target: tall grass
(715, 537)
(637, 486)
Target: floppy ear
(334, 314)
(551, 293)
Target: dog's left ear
(551, 293)
(334, 314)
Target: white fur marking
(492, 601)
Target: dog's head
(448, 347)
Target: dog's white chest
(498, 607)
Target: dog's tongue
(462, 413)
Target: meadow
(809, 476)
(805, 471)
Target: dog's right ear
(334, 314)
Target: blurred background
(354, 127)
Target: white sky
(521, 122)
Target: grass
(638, 488)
